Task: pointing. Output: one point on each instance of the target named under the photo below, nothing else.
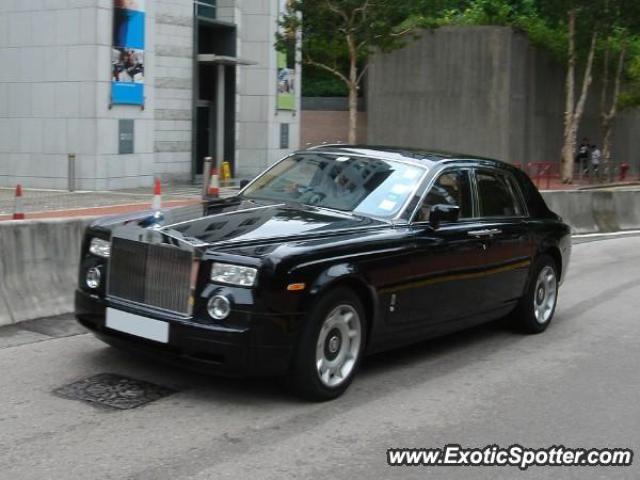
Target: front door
(449, 261)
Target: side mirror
(243, 183)
(443, 213)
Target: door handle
(485, 233)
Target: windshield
(366, 186)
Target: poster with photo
(127, 53)
(286, 99)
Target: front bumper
(201, 347)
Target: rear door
(502, 213)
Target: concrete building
(484, 91)
(56, 96)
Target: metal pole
(72, 172)
(220, 105)
(206, 175)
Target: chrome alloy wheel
(545, 294)
(338, 345)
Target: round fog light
(219, 307)
(93, 278)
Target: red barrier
(624, 169)
(542, 172)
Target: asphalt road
(577, 385)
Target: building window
(206, 8)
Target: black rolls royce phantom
(332, 253)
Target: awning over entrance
(208, 58)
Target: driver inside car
(445, 191)
(333, 186)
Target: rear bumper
(206, 348)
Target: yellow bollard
(226, 172)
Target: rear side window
(496, 196)
(536, 205)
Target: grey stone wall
(258, 120)
(482, 91)
(173, 89)
(111, 169)
(55, 93)
(55, 88)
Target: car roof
(413, 155)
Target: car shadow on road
(197, 385)
(383, 373)
(444, 353)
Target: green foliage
(545, 32)
(545, 22)
(327, 26)
(316, 83)
(387, 24)
(630, 96)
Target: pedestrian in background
(596, 156)
(582, 157)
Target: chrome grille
(149, 274)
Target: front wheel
(536, 308)
(330, 348)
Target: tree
(339, 35)
(609, 100)
(569, 29)
(574, 110)
(621, 52)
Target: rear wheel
(537, 307)
(330, 347)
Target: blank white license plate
(136, 325)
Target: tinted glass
(206, 8)
(366, 186)
(451, 188)
(496, 196)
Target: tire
(537, 307)
(330, 347)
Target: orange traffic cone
(18, 211)
(157, 196)
(214, 183)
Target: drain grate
(114, 391)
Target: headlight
(93, 278)
(233, 274)
(100, 247)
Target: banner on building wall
(127, 53)
(286, 68)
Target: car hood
(243, 222)
(268, 224)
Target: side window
(451, 188)
(497, 198)
(516, 194)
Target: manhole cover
(113, 391)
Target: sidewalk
(40, 204)
(545, 184)
(60, 203)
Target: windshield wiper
(348, 213)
